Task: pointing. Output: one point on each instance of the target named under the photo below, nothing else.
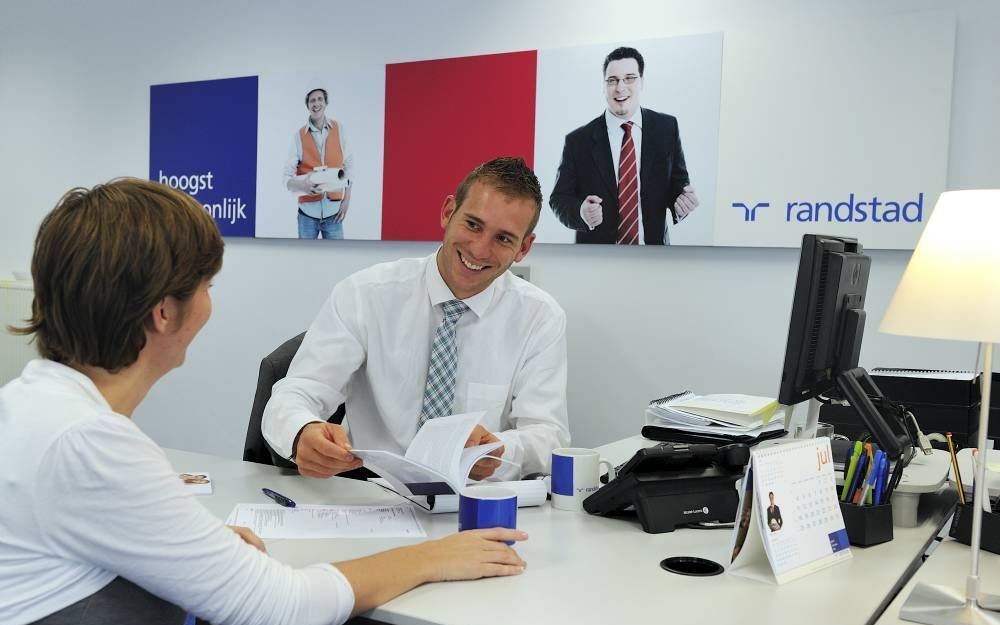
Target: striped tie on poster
(628, 191)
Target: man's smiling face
(623, 99)
(483, 237)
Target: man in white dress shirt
(370, 344)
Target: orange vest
(334, 158)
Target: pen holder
(961, 528)
(867, 525)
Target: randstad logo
(750, 212)
(852, 209)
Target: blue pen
(880, 480)
(870, 481)
(278, 497)
(876, 467)
(859, 478)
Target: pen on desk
(849, 470)
(864, 464)
(876, 473)
(869, 484)
(278, 497)
(881, 479)
(954, 466)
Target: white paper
(328, 179)
(436, 454)
(730, 408)
(270, 520)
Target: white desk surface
(586, 569)
(948, 566)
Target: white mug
(575, 475)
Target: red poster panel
(442, 118)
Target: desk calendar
(790, 523)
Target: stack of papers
(726, 414)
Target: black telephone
(672, 484)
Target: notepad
(733, 408)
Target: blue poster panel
(203, 141)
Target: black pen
(278, 497)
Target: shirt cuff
(283, 442)
(512, 453)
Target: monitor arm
(858, 388)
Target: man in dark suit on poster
(624, 172)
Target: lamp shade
(951, 286)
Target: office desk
(948, 566)
(584, 569)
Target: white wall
(74, 83)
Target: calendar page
(794, 516)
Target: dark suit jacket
(774, 514)
(587, 168)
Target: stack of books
(726, 414)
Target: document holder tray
(664, 499)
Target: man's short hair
(619, 54)
(104, 258)
(326, 98)
(509, 175)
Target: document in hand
(731, 408)
(436, 462)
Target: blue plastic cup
(484, 506)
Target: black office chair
(273, 367)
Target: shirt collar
(312, 128)
(615, 123)
(439, 293)
(68, 379)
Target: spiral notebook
(927, 374)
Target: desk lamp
(951, 290)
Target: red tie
(628, 191)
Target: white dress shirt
(615, 136)
(370, 345)
(87, 497)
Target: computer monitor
(828, 316)
(824, 339)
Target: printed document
(270, 520)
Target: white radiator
(15, 308)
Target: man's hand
(302, 184)
(486, 466)
(323, 450)
(249, 537)
(590, 211)
(686, 203)
(344, 205)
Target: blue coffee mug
(483, 507)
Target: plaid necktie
(628, 191)
(439, 392)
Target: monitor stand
(802, 431)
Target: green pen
(849, 473)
